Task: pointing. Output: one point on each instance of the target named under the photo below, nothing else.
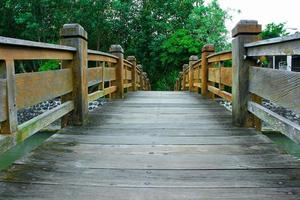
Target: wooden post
(192, 60)
(144, 80)
(180, 81)
(246, 31)
(206, 51)
(132, 59)
(184, 67)
(74, 35)
(7, 71)
(118, 51)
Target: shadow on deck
(155, 145)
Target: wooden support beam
(74, 35)
(184, 79)
(245, 32)
(192, 60)
(206, 51)
(118, 51)
(132, 59)
(7, 71)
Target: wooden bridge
(150, 145)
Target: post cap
(144, 73)
(116, 48)
(131, 58)
(193, 58)
(140, 67)
(73, 30)
(180, 73)
(185, 66)
(208, 48)
(246, 27)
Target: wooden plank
(110, 74)
(94, 75)
(281, 87)
(32, 44)
(214, 75)
(110, 90)
(33, 88)
(102, 58)
(162, 140)
(3, 100)
(225, 95)
(285, 126)
(7, 70)
(127, 85)
(158, 178)
(220, 56)
(32, 126)
(197, 85)
(27, 53)
(96, 95)
(79, 192)
(287, 45)
(226, 76)
(128, 74)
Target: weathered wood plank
(225, 95)
(27, 53)
(34, 125)
(226, 76)
(45, 191)
(161, 140)
(287, 45)
(32, 44)
(285, 126)
(220, 56)
(214, 75)
(3, 100)
(281, 87)
(94, 75)
(33, 88)
(101, 56)
(109, 74)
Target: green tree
(273, 30)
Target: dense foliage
(161, 33)
(273, 30)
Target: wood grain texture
(220, 56)
(33, 88)
(279, 123)
(101, 56)
(26, 43)
(281, 87)
(214, 75)
(173, 145)
(34, 125)
(95, 75)
(27, 53)
(109, 74)
(3, 100)
(226, 76)
(287, 45)
(225, 95)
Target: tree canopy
(162, 34)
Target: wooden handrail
(76, 83)
(249, 82)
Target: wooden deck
(155, 146)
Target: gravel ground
(31, 112)
(292, 116)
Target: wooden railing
(76, 82)
(214, 75)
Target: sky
(264, 11)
